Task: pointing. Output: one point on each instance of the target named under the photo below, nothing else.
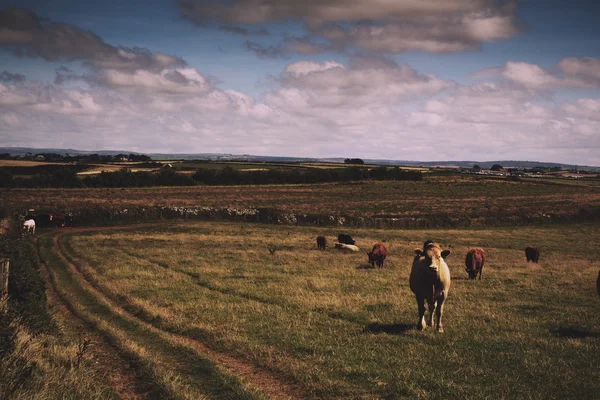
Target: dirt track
(121, 372)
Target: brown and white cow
(474, 262)
(430, 281)
(377, 255)
(532, 254)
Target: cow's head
(471, 272)
(433, 255)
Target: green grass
(340, 330)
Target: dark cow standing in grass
(598, 283)
(346, 239)
(532, 254)
(321, 242)
(474, 262)
(430, 281)
(377, 255)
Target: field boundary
(126, 215)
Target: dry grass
(323, 320)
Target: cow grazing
(321, 242)
(346, 239)
(532, 254)
(347, 247)
(430, 281)
(474, 262)
(29, 226)
(43, 220)
(58, 219)
(377, 255)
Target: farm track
(119, 370)
(255, 378)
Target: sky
(436, 80)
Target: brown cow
(377, 255)
(532, 254)
(474, 262)
(430, 281)
(321, 242)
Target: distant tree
(476, 168)
(497, 167)
(353, 161)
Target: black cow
(346, 239)
(532, 254)
(321, 242)
(42, 220)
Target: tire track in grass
(121, 372)
(180, 370)
(255, 378)
(128, 373)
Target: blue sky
(483, 79)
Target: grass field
(321, 324)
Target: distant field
(325, 326)
(23, 163)
(454, 196)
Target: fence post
(3, 281)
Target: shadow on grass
(365, 266)
(390, 329)
(573, 333)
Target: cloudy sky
(385, 79)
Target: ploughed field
(434, 196)
(204, 309)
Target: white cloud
(370, 108)
(576, 75)
(330, 84)
(586, 68)
(178, 80)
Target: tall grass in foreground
(342, 330)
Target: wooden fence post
(3, 280)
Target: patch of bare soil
(253, 376)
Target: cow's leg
(440, 310)
(431, 303)
(421, 306)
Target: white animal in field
(347, 247)
(29, 226)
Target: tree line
(66, 177)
